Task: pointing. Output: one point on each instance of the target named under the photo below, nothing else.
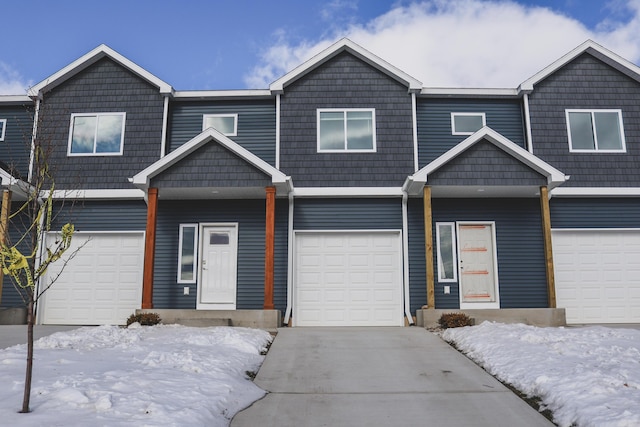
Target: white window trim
(453, 122)
(4, 128)
(345, 110)
(74, 115)
(195, 253)
(235, 122)
(623, 148)
(454, 249)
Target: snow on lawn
(165, 375)
(586, 376)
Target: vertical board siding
(520, 248)
(250, 216)
(103, 87)
(595, 213)
(346, 82)
(256, 124)
(348, 214)
(586, 83)
(15, 149)
(417, 251)
(434, 123)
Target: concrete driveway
(11, 335)
(377, 377)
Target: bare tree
(26, 259)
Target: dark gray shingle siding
(256, 124)
(485, 164)
(586, 83)
(346, 82)
(103, 87)
(15, 149)
(434, 123)
(211, 166)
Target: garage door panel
(102, 283)
(597, 275)
(355, 279)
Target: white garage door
(348, 279)
(597, 275)
(102, 284)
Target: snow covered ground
(586, 376)
(146, 376)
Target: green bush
(145, 319)
(455, 320)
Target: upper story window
(467, 123)
(3, 127)
(341, 130)
(96, 134)
(595, 130)
(226, 124)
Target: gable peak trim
(345, 45)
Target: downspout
(165, 121)
(287, 313)
(527, 122)
(405, 255)
(278, 131)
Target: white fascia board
(15, 99)
(596, 192)
(342, 45)
(120, 194)
(355, 192)
(222, 94)
(89, 59)
(554, 176)
(527, 85)
(141, 179)
(469, 92)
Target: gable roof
(143, 178)
(418, 180)
(91, 58)
(346, 45)
(590, 47)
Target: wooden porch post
(4, 226)
(269, 247)
(548, 250)
(428, 246)
(149, 248)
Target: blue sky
(202, 45)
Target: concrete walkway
(11, 335)
(377, 377)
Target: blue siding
(595, 213)
(14, 150)
(10, 295)
(348, 214)
(434, 123)
(256, 124)
(250, 216)
(111, 215)
(417, 261)
(520, 248)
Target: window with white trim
(447, 264)
(467, 123)
(3, 127)
(595, 131)
(226, 124)
(342, 130)
(96, 134)
(187, 253)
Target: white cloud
(11, 82)
(465, 43)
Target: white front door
(478, 267)
(218, 265)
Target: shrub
(145, 319)
(455, 320)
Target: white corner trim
(595, 192)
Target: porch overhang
(499, 186)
